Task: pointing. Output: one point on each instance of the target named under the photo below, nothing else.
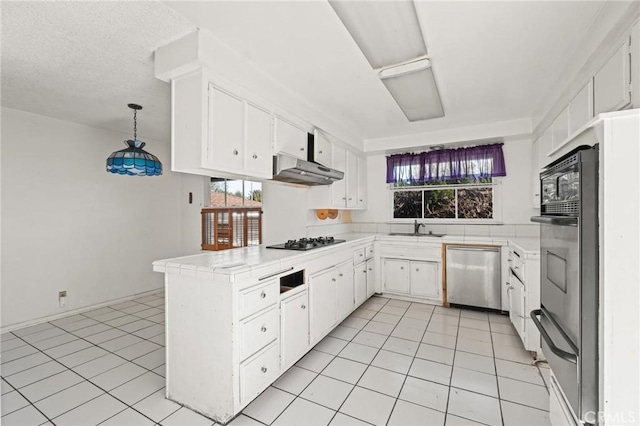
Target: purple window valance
(482, 161)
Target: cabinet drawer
(253, 299)
(257, 373)
(368, 250)
(417, 252)
(257, 332)
(359, 256)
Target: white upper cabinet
(321, 149)
(258, 141)
(581, 108)
(560, 129)
(362, 183)
(289, 139)
(535, 173)
(339, 188)
(351, 176)
(225, 147)
(611, 85)
(546, 145)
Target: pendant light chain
(135, 125)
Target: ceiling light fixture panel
(387, 32)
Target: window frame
(496, 185)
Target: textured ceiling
(85, 61)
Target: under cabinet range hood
(294, 170)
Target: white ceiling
(84, 61)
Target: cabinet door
(360, 280)
(611, 89)
(362, 183)
(581, 108)
(258, 142)
(560, 129)
(516, 305)
(226, 131)
(321, 149)
(535, 173)
(322, 301)
(339, 188)
(546, 145)
(345, 283)
(371, 278)
(289, 139)
(294, 328)
(395, 275)
(425, 279)
(352, 180)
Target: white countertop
(243, 262)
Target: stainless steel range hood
(294, 170)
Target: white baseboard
(16, 326)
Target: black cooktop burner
(307, 243)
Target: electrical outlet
(62, 299)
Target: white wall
(517, 205)
(69, 225)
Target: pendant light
(133, 160)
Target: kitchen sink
(411, 234)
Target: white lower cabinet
(371, 278)
(425, 279)
(258, 372)
(395, 275)
(322, 296)
(294, 328)
(416, 278)
(360, 281)
(517, 305)
(346, 287)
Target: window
(450, 184)
(235, 216)
(445, 201)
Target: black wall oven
(568, 314)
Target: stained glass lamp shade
(133, 160)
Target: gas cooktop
(307, 243)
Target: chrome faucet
(416, 226)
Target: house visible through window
(235, 216)
(446, 184)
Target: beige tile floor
(391, 362)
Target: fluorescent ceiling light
(415, 92)
(407, 68)
(387, 32)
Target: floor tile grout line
(495, 365)
(87, 380)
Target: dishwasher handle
(473, 248)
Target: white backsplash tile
(368, 227)
(455, 229)
(401, 227)
(477, 230)
(502, 230)
(528, 230)
(435, 228)
(383, 228)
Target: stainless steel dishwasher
(473, 276)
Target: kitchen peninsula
(238, 319)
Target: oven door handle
(567, 356)
(556, 220)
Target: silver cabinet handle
(361, 200)
(365, 271)
(402, 268)
(333, 279)
(361, 254)
(263, 369)
(417, 270)
(340, 274)
(303, 307)
(371, 270)
(263, 295)
(350, 198)
(255, 156)
(344, 198)
(235, 152)
(319, 152)
(302, 149)
(263, 329)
